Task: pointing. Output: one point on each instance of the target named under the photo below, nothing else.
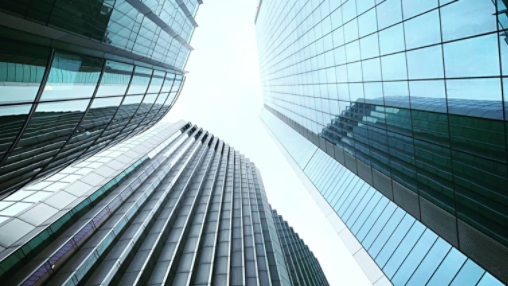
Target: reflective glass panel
(115, 79)
(22, 68)
(140, 80)
(72, 76)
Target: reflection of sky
(18, 93)
(72, 105)
(15, 109)
(474, 89)
(56, 91)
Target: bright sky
(223, 95)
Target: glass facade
(302, 265)
(117, 23)
(408, 252)
(172, 206)
(79, 76)
(57, 106)
(409, 95)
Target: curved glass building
(76, 77)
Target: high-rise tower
(393, 112)
(172, 206)
(78, 76)
(302, 265)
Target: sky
(223, 95)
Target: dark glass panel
(478, 136)
(49, 128)
(398, 120)
(12, 118)
(22, 68)
(85, 17)
(432, 127)
(94, 122)
(434, 174)
(484, 211)
(402, 160)
(125, 113)
(484, 177)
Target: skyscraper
(394, 113)
(77, 76)
(172, 206)
(302, 265)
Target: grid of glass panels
(303, 266)
(50, 206)
(170, 13)
(173, 224)
(79, 105)
(116, 23)
(415, 89)
(129, 29)
(407, 252)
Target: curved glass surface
(86, 104)
(116, 23)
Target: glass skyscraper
(77, 76)
(302, 265)
(172, 206)
(394, 112)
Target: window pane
(156, 83)
(115, 79)
(412, 8)
(423, 30)
(489, 280)
(456, 19)
(389, 12)
(22, 67)
(425, 63)
(472, 57)
(430, 263)
(428, 95)
(448, 269)
(394, 67)
(394, 240)
(414, 258)
(391, 40)
(12, 118)
(396, 94)
(72, 76)
(475, 97)
(468, 275)
(140, 80)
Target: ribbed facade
(410, 97)
(172, 206)
(79, 76)
(302, 265)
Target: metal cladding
(173, 206)
(302, 265)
